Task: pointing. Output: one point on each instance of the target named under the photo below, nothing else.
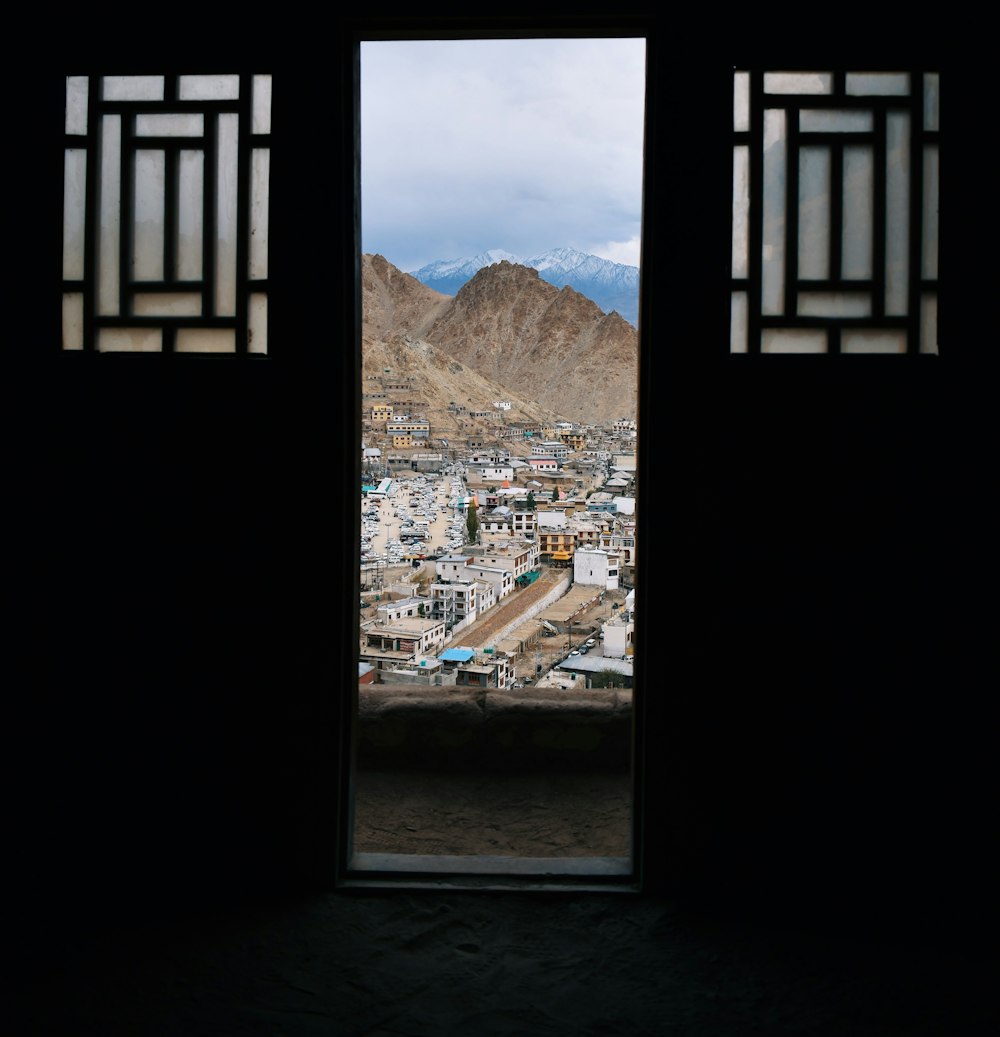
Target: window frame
(594, 874)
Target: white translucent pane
(147, 239)
(741, 101)
(72, 320)
(77, 88)
(773, 245)
(226, 194)
(260, 172)
(798, 83)
(860, 84)
(929, 245)
(205, 340)
(257, 320)
(817, 120)
(190, 227)
(793, 340)
(932, 101)
(167, 304)
(170, 124)
(738, 324)
(897, 215)
(835, 304)
(741, 211)
(130, 340)
(209, 88)
(873, 342)
(261, 106)
(110, 216)
(74, 211)
(814, 212)
(132, 88)
(928, 323)
(857, 242)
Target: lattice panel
(165, 213)
(835, 212)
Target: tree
(606, 678)
(472, 521)
(530, 503)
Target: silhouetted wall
(813, 730)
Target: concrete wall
(448, 727)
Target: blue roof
(457, 655)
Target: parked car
(575, 652)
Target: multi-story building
(574, 439)
(596, 568)
(587, 534)
(457, 602)
(501, 579)
(525, 523)
(622, 542)
(556, 545)
(403, 641)
(519, 558)
(553, 448)
(417, 427)
(487, 671)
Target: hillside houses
(553, 506)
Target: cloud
(518, 144)
(619, 251)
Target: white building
(457, 602)
(595, 567)
(618, 634)
(496, 473)
(502, 580)
(404, 608)
(387, 646)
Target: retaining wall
(537, 728)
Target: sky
(521, 145)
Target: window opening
(165, 227)
(835, 212)
(494, 725)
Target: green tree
(607, 678)
(472, 521)
(530, 503)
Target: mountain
(613, 286)
(507, 334)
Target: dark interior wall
(814, 713)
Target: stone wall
(445, 727)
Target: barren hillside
(551, 352)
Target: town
(499, 561)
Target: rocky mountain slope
(507, 334)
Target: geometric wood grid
(165, 213)
(835, 212)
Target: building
(459, 603)
(593, 566)
(621, 541)
(619, 636)
(488, 670)
(401, 642)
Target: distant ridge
(613, 286)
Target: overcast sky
(523, 145)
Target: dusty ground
(527, 815)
